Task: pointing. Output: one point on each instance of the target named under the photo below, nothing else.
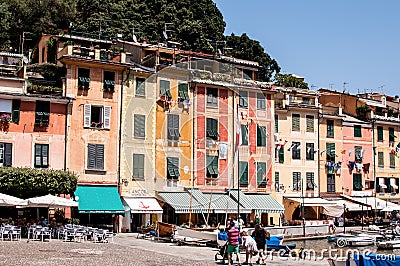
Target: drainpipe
(373, 161)
(120, 131)
(66, 134)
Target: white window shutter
(86, 115)
(107, 116)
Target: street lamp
(302, 209)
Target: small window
(165, 88)
(261, 136)
(358, 154)
(357, 182)
(310, 123)
(391, 135)
(140, 87)
(243, 99)
(139, 126)
(97, 116)
(380, 133)
(41, 155)
(310, 181)
(173, 168)
(83, 78)
(244, 174)
(295, 122)
(5, 154)
(245, 134)
(380, 160)
(392, 160)
(309, 151)
(183, 92)
(42, 114)
(95, 157)
(276, 123)
(16, 107)
(281, 155)
(306, 100)
(330, 128)
(277, 185)
(331, 183)
(261, 174)
(109, 81)
(330, 152)
(296, 151)
(173, 127)
(212, 166)
(212, 97)
(261, 101)
(138, 166)
(357, 131)
(212, 128)
(296, 181)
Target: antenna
(331, 86)
(344, 86)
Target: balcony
(113, 54)
(44, 88)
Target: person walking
(233, 242)
(259, 236)
(250, 245)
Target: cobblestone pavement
(126, 250)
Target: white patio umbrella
(51, 201)
(7, 200)
(387, 209)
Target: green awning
(98, 199)
(180, 202)
(222, 203)
(260, 202)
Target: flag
(238, 140)
(398, 147)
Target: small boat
(276, 243)
(354, 241)
(391, 244)
(334, 238)
(165, 229)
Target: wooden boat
(354, 241)
(194, 235)
(165, 229)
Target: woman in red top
(233, 242)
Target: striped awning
(180, 202)
(222, 203)
(258, 201)
(313, 202)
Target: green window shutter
(183, 92)
(91, 159)
(140, 87)
(45, 155)
(296, 181)
(173, 168)
(357, 131)
(391, 134)
(310, 180)
(357, 153)
(16, 107)
(380, 160)
(331, 183)
(99, 156)
(261, 174)
(261, 101)
(245, 140)
(212, 166)
(276, 123)
(7, 154)
(309, 123)
(165, 88)
(295, 122)
(309, 151)
(173, 127)
(139, 126)
(392, 160)
(357, 182)
(296, 152)
(243, 99)
(330, 152)
(282, 155)
(380, 133)
(277, 185)
(138, 166)
(243, 173)
(330, 131)
(212, 128)
(38, 155)
(261, 136)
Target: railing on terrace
(113, 55)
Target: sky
(329, 43)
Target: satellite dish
(165, 35)
(134, 38)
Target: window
(330, 152)
(140, 87)
(212, 128)
(276, 123)
(309, 151)
(96, 116)
(295, 122)
(380, 160)
(83, 78)
(173, 168)
(183, 92)
(41, 155)
(165, 88)
(16, 106)
(380, 133)
(358, 153)
(109, 81)
(281, 155)
(244, 174)
(277, 185)
(261, 101)
(261, 136)
(392, 160)
(391, 135)
(306, 100)
(310, 181)
(173, 127)
(95, 157)
(243, 99)
(296, 150)
(357, 182)
(212, 166)
(330, 128)
(42, 114)
(138, 166)
(212, 97)
(139, 126)
(296, 181)
(357, 131)
(245, 134)
(310, 123)
(331, 183)
(5, 154)
(261, 174)
(9, 110)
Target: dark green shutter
(277, 181)
(173, 127)
(91, 164)
(261, 173)
(392, 160)
(243, 172)
(310, 123)
(330, 128)
(380, 160)
(261, 136)
(173, 167)
(38, 155)
(212, 128)
(165, 88)
(45, 155)
(139, 126)
(380, 133)
(183, 93)
(391, 134)
(99, 156)
(7, 154)
(260, 101)
(331, 183)
(310, 180)
(357, 182)
(138, 166)
(330, 152)
(295, 122)
(245, 140)
(243, 98)
(297, 181)
(309, 151)
(276, 123)
(357, 131)
(16, 106)
(282, 155)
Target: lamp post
(344, 218)
(362, 216)
(302, 209)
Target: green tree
(245, 48)
(5, 17)
(288, 80)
